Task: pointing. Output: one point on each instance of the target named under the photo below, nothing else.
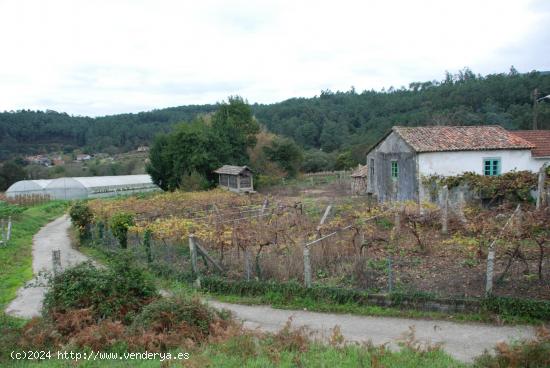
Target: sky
(113, 56)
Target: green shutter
(394, 170)
(491, 166)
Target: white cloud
(102, 57)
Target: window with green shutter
(394, 169)
(491, 166)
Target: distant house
(58, 161)
(38, 160)
(143, 149)
(83, 157)
(403, 157)
(359, 180)
(235, 178)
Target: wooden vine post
(307, 267)
(541, 196)
(193, 253)
(491, 254)
(307, 258)
(247, 256)
(396, 231)
(445, 210)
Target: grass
(276, 300)
(247, 351)
(16, 257)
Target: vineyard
(350, 242)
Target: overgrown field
(397, 248)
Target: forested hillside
(351, 120)
(334, 121)
(28, 131)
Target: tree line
(333, 130)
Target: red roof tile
(539, 138)
(460, 138)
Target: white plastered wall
(455, 163)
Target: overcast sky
(105, 57)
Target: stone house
(405, 155)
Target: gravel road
(463, 341)
(53, 236)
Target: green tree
(345, 161)
(316, 160)
(160, 165)
(10, 172)
(188, 156)
(286, 153)
(234, 123)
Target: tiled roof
(231, 170)
(539, 138)
(460, 138)
(360, 172)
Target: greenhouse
(83, 187)
(27, 187)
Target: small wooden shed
(235, 178)
(359, 180)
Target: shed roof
(539, 138)
(360, 172)
(232, 170)
(460, 138)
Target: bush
(168, 314)
(119, 223)
(116, 293)
(82, 217)
(193, 182)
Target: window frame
(491, 166)
(394, 170)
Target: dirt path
(53, 236)
(461, 340)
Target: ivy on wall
(514, 186)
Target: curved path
(53, 236)
(463, 341)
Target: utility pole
(535, 110)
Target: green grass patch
(337, 300)
(16, 256)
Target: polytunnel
(27, 187)
(90, 187)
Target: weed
(533, 354)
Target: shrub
(193, 181)
(82, 217)
(119, 223)
(170, 314)
(116, 293)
